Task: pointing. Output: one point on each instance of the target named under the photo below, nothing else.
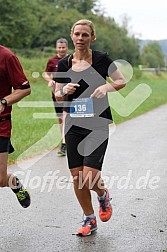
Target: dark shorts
(86, 147)
(5, 145)
(58, 109)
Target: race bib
(82, 107)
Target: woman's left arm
(118, 82)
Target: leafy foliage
(39, 23)
(18, 23)
(152, 55)
(82, 6)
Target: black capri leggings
(86, 147)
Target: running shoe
(23, 197)
(105, 210)
(22, 194)
(89, 225)
(62, 150)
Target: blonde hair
(85, 22)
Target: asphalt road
(135, 171)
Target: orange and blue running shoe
(105, 210)
(89, 225)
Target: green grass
(32, 136)
(158, 96)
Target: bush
(137, 73)
(42, 52)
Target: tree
(18, 23)
(50, 31)
(39, 23)
(82, 6)
(114, 40)
(152, 55)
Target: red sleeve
(49, 67)
(15, 74)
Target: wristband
(4, 102)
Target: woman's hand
(2, 108)
(70, 88)
(51, 83)
(100, 92)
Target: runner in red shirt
(14, 86)
(51, 68)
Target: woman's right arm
(62, 90)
